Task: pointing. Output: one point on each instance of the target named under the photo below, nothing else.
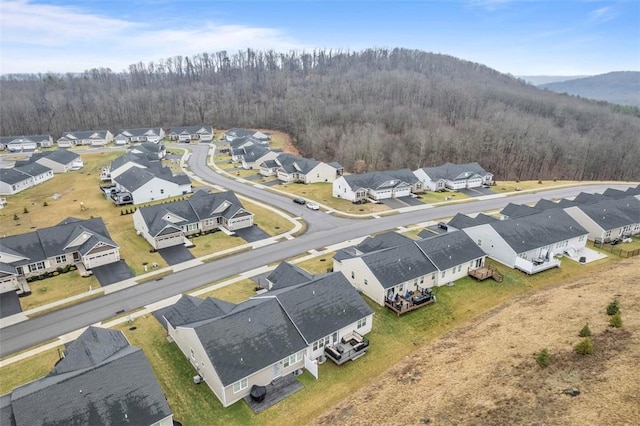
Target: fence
(617, 250)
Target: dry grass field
(485, 372)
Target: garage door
(405, 192)
(169, 240)
(99, 259)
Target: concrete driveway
(176, 254)
(394, 203)
(9, 304)
(476, 192)
(112, 273)
(411, 201)
(252, 234)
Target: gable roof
(381, 241)
(586, 198)
(61, 156)
(381, 180)
(518, 210)
(461, 221)
(294, 164)
(12, 176)
(112, 384)
(395, 265)
(323, 306)
(287, 275)
(144, 131)
(450, 249)
(450, 171)
(85, 134)
(135, 177)
(4, 140)
(33, 169)
(191, 309)
(192, 130)
(613, 213)
(538, 230)
(129, 157)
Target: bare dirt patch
(485, 373)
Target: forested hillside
(620, 87)
(368, 110)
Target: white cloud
(41, 38)
(603, 14)
(489, 5)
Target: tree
(615, 320)
(585, 331)
(613, 307)
(584, 347)
(543, 358)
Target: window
(459, 268)
(297, 357)
(319, 344)
(433, 276)
(422, 279)
(353, 275)
(239, 385)
(581, 238)
(162, 191)
(193, 354)
(443, 273)
(61, 259)
(36, 266)
(479, 243)
(362, 322)
(192, 227)
(365, 281)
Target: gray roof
(543, 204)
(201, 205)
(141, 131)
(323, 306)
(11, 176)
(135, 177)
(270, 164)
(130, 157)
(613, 213)
(518, 210)
(450, 249)
(538, 230)
(381, 180)
(398, 264)
(191, 309)
(615, 193)
(381, 241)
(52, 241)
(33, 169)
(192, 130)
(61, 156)
(450, 171)
(85, 134)
(287, 274)
(461, 221)
(24, 138)
(251, 152)
(294, 164)
(6, 412)
(253, 336)
(586, 198)
(112, 384)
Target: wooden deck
(350, 348)
(482, 274)
(416, 301)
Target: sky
(519, 37)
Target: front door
(276, 370)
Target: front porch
(411, 301)
(351, 347)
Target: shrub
(543, 359)
(121, 212)
(613, 307)
(15, 216)
(585, 347)
(45, 204)
(25, 210)
(615, 320)
(585, 332)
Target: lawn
(57, 288)
(213, 242)
(318, 264)
(234, 293)
(269, 221)
(523, 185)
(27, 370)
(392, 340)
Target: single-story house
(530, 243)
(514, 211)
(70, 242)
(251, 156)
(286, 275)
(236, 133)
(85, 137)
(123, 163)
(13, 181)
(454, 176)
(234, 347)
(377, 185)
(167, 225)
(609, 219)
(187, 134)
(100, 380)
(153, 134)
(60, 160)
(460, 221)
(153, 151)
(28, 142)
(37, 171)
(150, 184)
(305, 170)
(389, 265)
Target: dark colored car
(299, 200)
(443, 225)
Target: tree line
(369, 110)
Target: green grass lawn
(27, 370)
(211, 243)
(318, 264)
(57, 288)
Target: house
(60, 160)
(454, 176)
(234, 347)
(22, 143)
(513, 211)
(390, 266)
(37, 171)
(153, 151)
(240, 147)
(286, 275)
(608, 219)
(236, 134)
(13, 181)
(460, 221)
(252, 155)
(85, 137)
(297, 169)
(167, 225)
(143, 185)
(192, 133)
(101, 380)
(377, 185)
(123, 163)
(72, 242)
(530, 243)
(125, 136)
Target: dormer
(172, 218)
(222, 207)
(80, 239)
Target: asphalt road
(325, 230)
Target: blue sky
(520, 37)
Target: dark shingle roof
(33, 169)
(543, 204)
(538, 230)
(287, 274)
(381, 241)
(11, 176)
(114, 385)
(85, 134)
(518, 210)
(192, 130)
(26, 138)
(294, 164)
(253, 336)
(398, 264)
(461, 221)
(135, 177)
(61, 156)
(450, 171)
(323, 306)
(613, 213)
(450, 249)
(149, 131)
(381, 180)
(191, 309)
(586, 198)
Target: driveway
(476, 192)
(176, 254)
(112, 273)
(252, 234)
(411, 201)
(394, 203)
(9, 304)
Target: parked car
(299, 200)
(443, 225)
(313, 206)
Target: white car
(313, 206)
